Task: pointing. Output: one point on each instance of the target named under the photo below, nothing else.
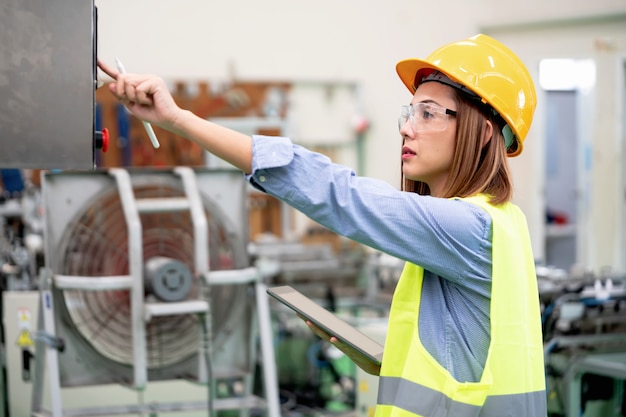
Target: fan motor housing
(167, 279)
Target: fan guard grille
(96, 244)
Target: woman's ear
(487, 133)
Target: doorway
(566, 84)
(561, 181)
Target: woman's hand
(145, 96)
(357, 357)
(148, 98)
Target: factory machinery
(130, 292)
(584, 326)
(142, 278)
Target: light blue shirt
(449, 238)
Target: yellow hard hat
(488, 69)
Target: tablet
(328, 322)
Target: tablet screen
(328, 322)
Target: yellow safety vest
(412, 383)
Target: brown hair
(475, 169)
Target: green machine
(584, 323)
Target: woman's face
(428, 137)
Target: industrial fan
(87, 239)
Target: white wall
(360, 42)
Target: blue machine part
(12, 180)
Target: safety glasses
(425, 117)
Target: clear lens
(424, 117)
(404, 116)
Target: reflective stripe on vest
(419, 400)
(412, 383)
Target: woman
(464, 334)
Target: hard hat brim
(407, 70)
